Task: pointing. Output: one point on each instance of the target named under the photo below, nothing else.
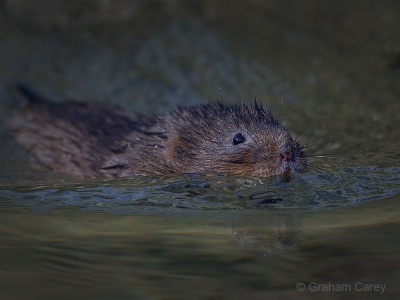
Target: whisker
(324, 156)
(321, 137)
(293, 108)
(302, 135)
(330, 156)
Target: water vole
(92, 140)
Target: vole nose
(285, 156)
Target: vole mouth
(287, 175)
(286, 158)
(290, 162)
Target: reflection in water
(268, 234)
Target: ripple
(347, 186)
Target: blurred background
(144, 53)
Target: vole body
(95, 141)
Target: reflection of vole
(269, 234)
(91, 140)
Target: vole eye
(238, 138)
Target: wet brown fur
(95, 141)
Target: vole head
(234, 139)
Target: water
(326, 73)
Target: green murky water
(326, 68)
